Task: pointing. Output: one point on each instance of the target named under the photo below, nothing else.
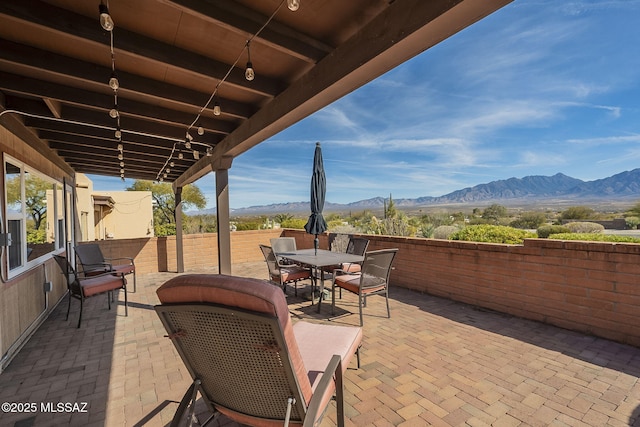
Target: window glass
(35, 215)
(39, 242)
(13, 186)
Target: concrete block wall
(591, 287)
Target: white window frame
(24, 264)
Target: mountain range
(559, 189)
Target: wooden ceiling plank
(40, 13)
(246, 22)
(30, 57)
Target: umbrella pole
(316, 243)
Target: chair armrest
(333, 368)
(122, 257)
(82, 275)
(96, 265)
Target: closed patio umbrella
(316, 223)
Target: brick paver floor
(435, 362)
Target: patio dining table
(316, 259)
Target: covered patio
(434, 362)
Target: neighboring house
(112, 214)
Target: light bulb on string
(122, 170)
(121, 164)
(209, 151)
(187, 144)
(180, 156)
(106, 22)
(168, 170)
(249, 74)
(216, 109)
(172, 164)
(118, 133)
(196, 154)
(293, 5)
(113, 113)
(114, 83)
(120, 156)
(201, 129)
(120, 148)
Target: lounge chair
(246, 358)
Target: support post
(179, 247)
(222, 214)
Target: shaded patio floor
(434, 362)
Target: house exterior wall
(131, 216)
(23, 302)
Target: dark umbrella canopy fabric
(316, 223)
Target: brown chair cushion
(292, 274)
(98, 285)
(351, 282)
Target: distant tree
(494, 212)
(529, 220)
(635, 210)
(577, 212)
(632, 222)
(35, 200)
(164, 209)
(282, 217)
(192, 224)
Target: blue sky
(537, 88)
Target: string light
(106, 22)
(249, 74)
(293, 5)
(114, 83)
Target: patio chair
(81, 288)
(246, 358)
(281, 245)
(372, 280)
(93, 262)
(282, 275)
(355, 246)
